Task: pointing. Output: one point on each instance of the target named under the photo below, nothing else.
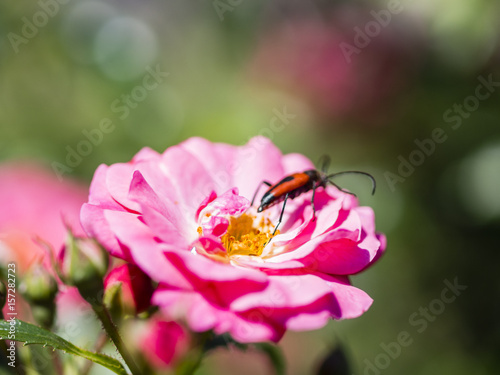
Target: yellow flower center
(242, 238)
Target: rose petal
(259, 160)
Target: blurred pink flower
(305, 58)
(163, 342)
(184, 218)
(34, 204)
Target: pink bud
(164, 342)
(135, 287)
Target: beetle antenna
(374, 183)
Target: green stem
(275, 356)
(104, 316)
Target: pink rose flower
(184, 218)
(33, 205)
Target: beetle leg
(281, 215)
(258, 188)
(312, 200)
(342, 190)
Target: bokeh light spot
(124, 47)
(80, 27)
(480, 182)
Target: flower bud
(128, 289)
(38, 285)
(83, 263)
(163, 343)
(39, 288)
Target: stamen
(242, 238)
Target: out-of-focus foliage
(84, 82)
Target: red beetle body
(293, 185)
(296, 184)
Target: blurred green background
(364, 82)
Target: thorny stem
(104, 316)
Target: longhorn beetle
(296, 184)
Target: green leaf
(31, 334)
